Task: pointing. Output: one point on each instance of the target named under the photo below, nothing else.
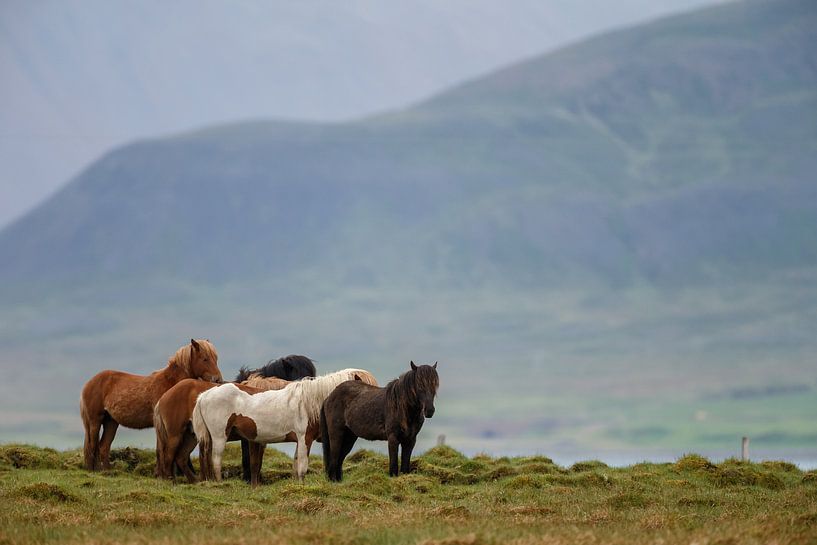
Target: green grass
(450, 499)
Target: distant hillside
(78, 79)
(683, 149)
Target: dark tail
(327, 450)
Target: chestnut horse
(395, 414)
(112, 398)
(268, 417)
(171, 419)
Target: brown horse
(112, 398)
(175, 439)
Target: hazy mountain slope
(78, 79)
(648, 153)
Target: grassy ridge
(449, 499)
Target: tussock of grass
(364, 455)
(538, 459)
(585, 479)
(627, 499)
(589, 465)
(539, 468)
(445, 475)
(444, 452)
(498, 472)
(417, 483)
(130, 458)
(45, 492)
(775, 465)
(527, 481)
(28, 457)
(746, 476)
(451, 511)
(308, 505)
(693, 462)
(698, 501)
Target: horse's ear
(435, 365)
(414, 367)
(194, 344)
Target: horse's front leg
(301, 457)
(408, 446)
(393, 444)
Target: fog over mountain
(77, 78)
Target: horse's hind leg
(109, 427)
(92, 425)
(164, 459)
(218, 445)
(256, 460)
(187, 445)
(348, 442)
(301, 458)
(246, 469)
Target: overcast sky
(79, 77)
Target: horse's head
(426, 381)
(204, 361)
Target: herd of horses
(189, 404)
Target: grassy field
(450, 499)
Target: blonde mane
(183, 355)
(311, 392)
(265, 383)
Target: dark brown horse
(175, 439)
(395, 414)
(112, 398)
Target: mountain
(629, 220)
(78, 80)
(679, 149)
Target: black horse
(395, 414)
(292, 367)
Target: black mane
(292, 367)
(401, 392)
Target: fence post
(744, 450)
(441, 440)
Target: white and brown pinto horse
(273, 416)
